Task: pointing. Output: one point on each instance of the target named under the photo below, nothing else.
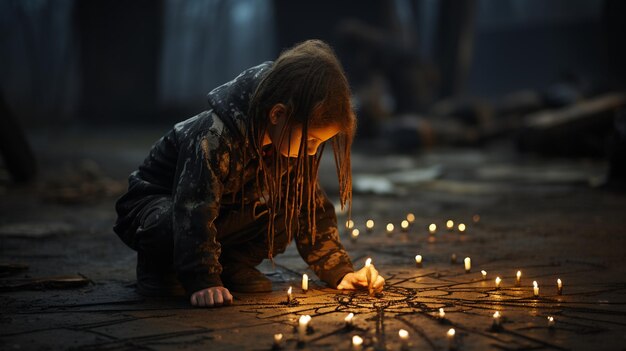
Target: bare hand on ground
(358, 280)
(211, 297)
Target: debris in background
(581, 129)
(387, 184)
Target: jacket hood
(231, 101)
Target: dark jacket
(200, 164)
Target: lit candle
(404, 225)
(476, 218)
(303, 324)
(518, 278)
(369, 225)
(404, 338)
(289, 297)
(442, 313)
(432, 228)
(305, 283)
(368, 275)
(559, 287)
(389, 228)
(450, 224)
(498, 281)
(357, 343)
(535, 289)
(453, 258)
(349, 224)
(354, 235)
(348, 320)
(278, 340)
(461, 228)
(450, 336)
(496, 320)
(484, 273)
(418, 261)
(551, 322)
(410, 217)
(468, 264)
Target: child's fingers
(217, 297)
(374, 276)
(344, 286)
(208, 298)
(380, 282)
(228, 298)
(194, 300)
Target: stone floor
(543, 217)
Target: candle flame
(304, 320)
(357, 340)
(418, 258)
(451, 332)
(535, 285)
(369, 224)
(355, 233)
(349, 224)
(461, 227)
(410, 217)
(368, 262)
(403, 334)
(519, 275)
(442, 313)
(432, 228)
(559, 283)
(496, 315)
(484, 273)
(289, 291)
(389, 227)
(349, 317)
(498, 280)
(450, 224)
(278, 337)
(404, 224)
(551, 319)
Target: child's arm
(203, 165)
(326, 256)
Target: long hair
(310, 81)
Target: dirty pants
(242, 233)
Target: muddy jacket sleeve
(326, 256)
(202, 168)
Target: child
(233, 185)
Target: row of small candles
(357, 341)
(404, 226)
(418, 262)
(518, 276)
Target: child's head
(305, 89)
(305, 93)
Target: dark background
(101, 62)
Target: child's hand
(212, 297)
(358, 279)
